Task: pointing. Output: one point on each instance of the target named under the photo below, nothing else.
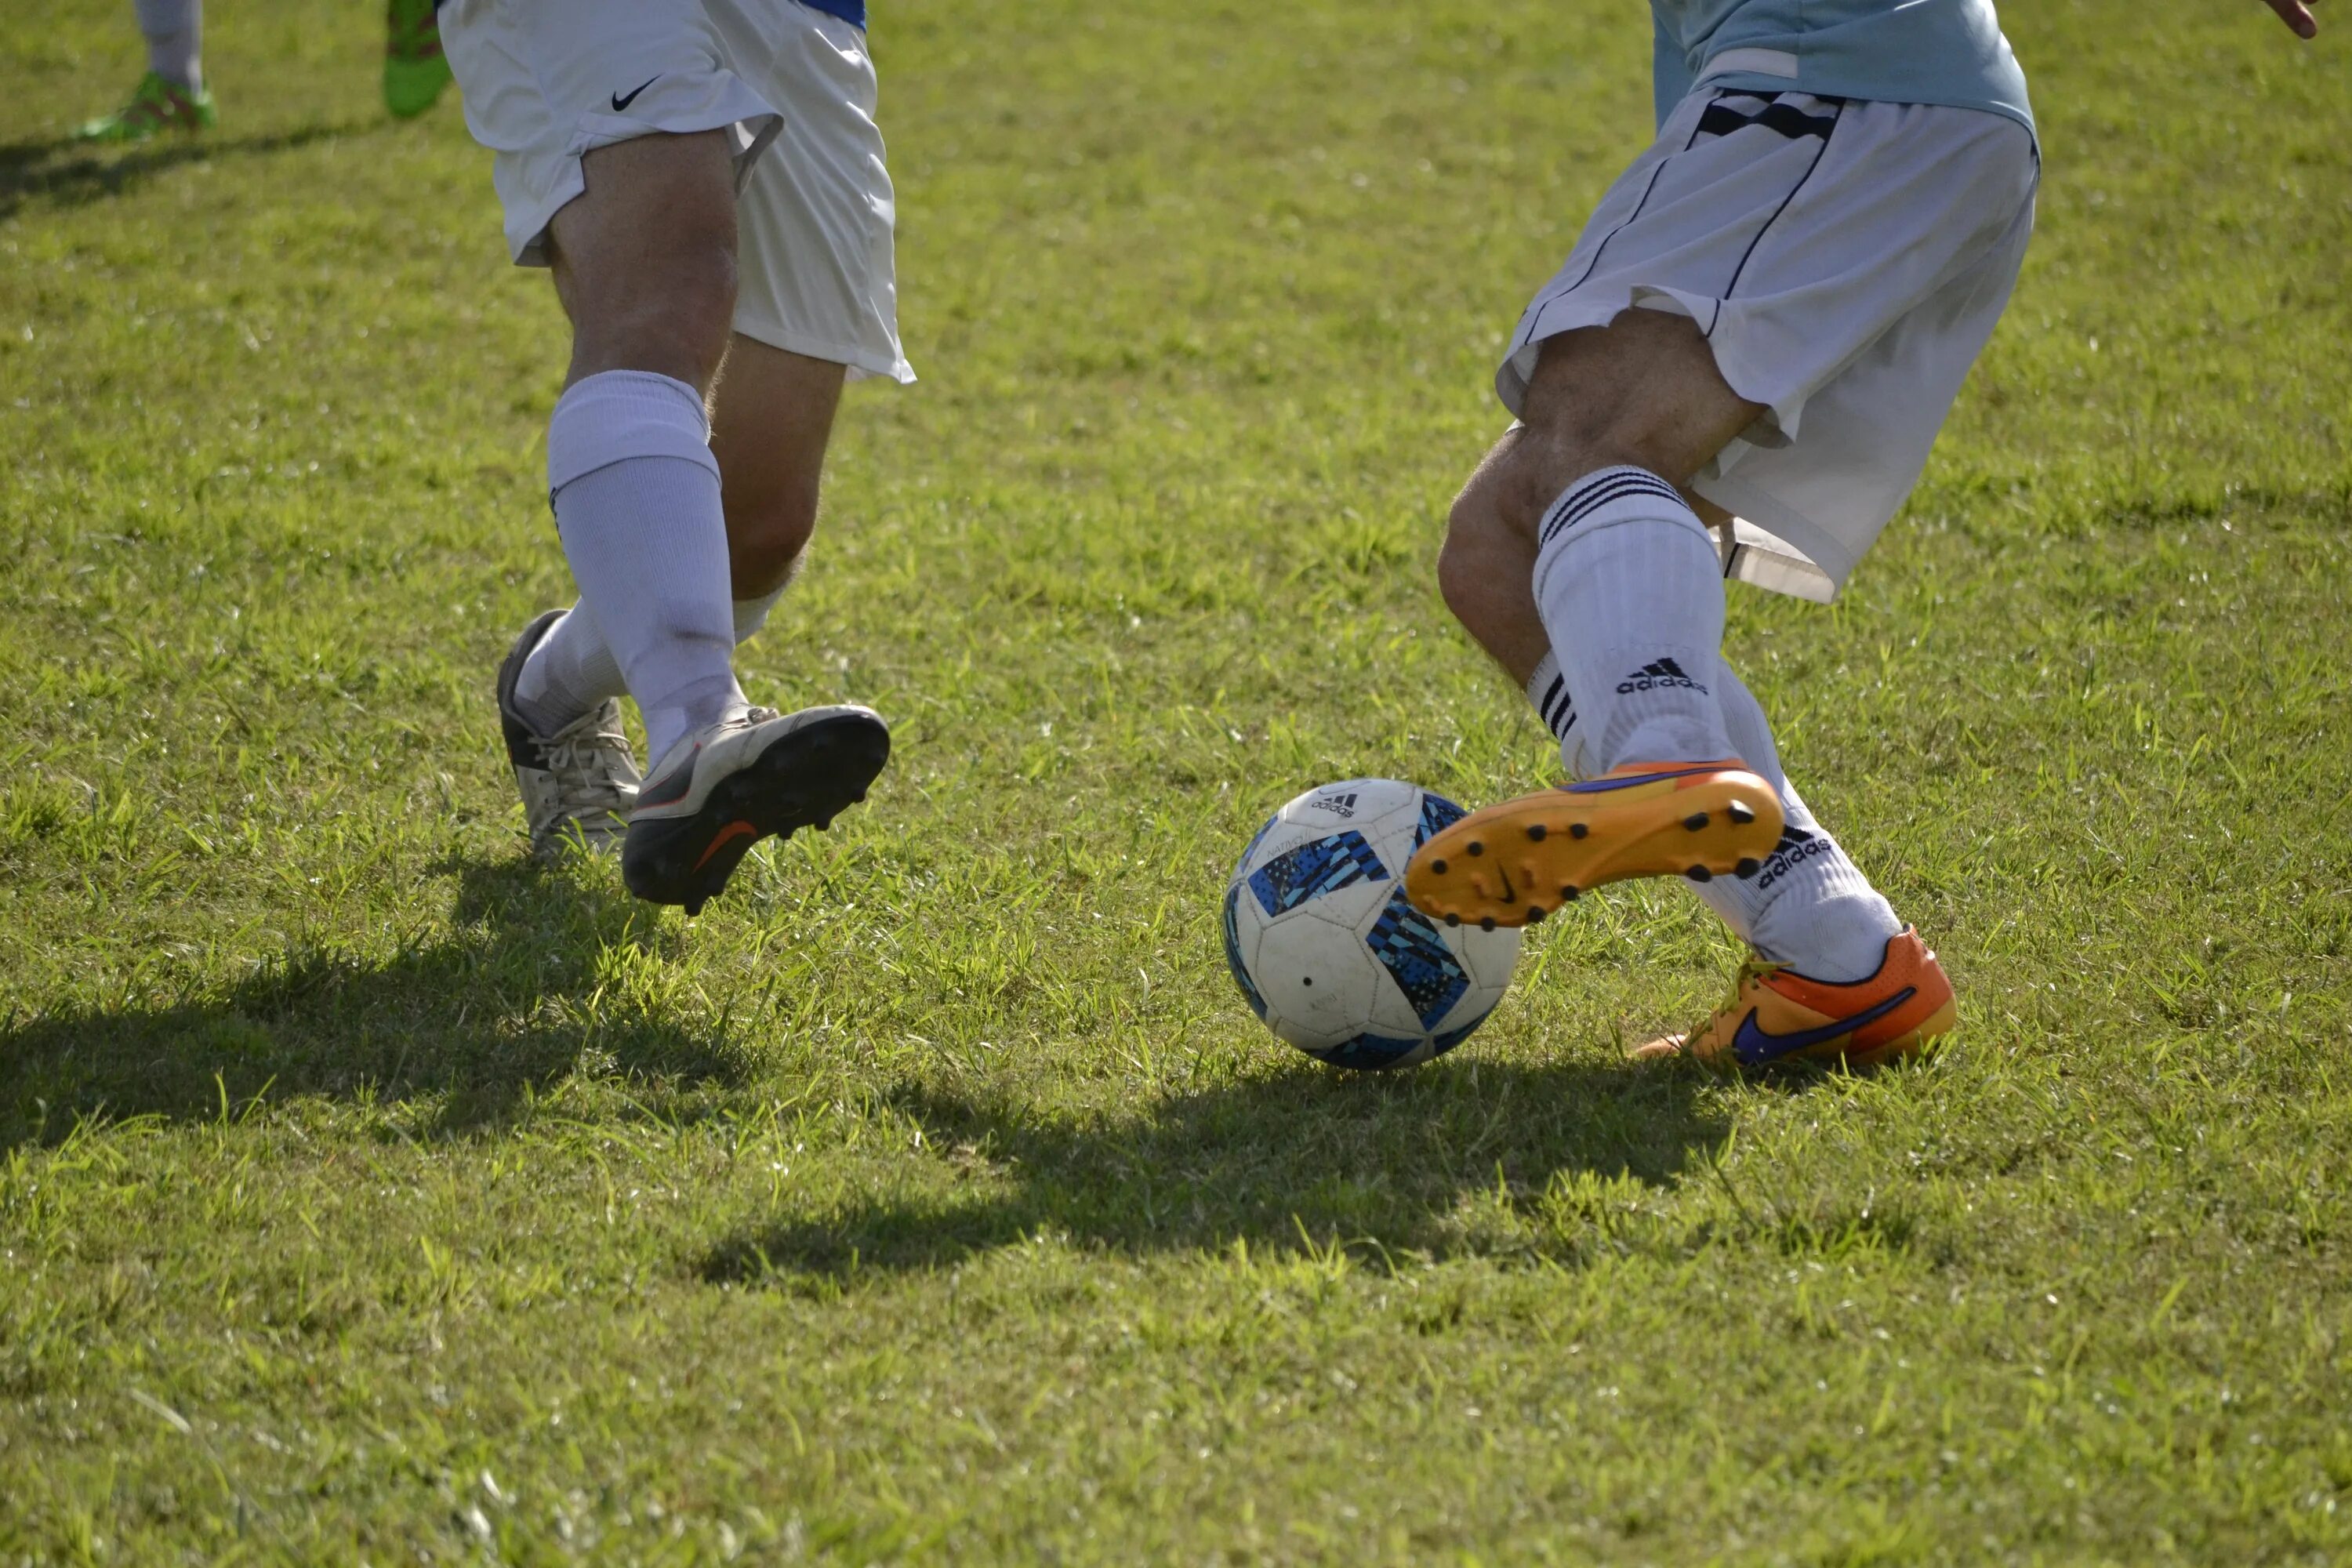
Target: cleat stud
(1536, 913)
(1699, 874)
(1487, 923)
(1748, 867)
(824, 823)
(1567, 892)
(1578, 830)
(1536, 834)
(1695, 821)
(1740, 812)
(1475, 848)
(1437, 866)
(1454, 920)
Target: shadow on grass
(1381, 1161)
(71, 172)
(478, 1018)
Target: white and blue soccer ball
(1327, 949)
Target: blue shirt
(850, 11)
(1896, 51)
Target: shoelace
(587, 760)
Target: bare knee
(1487, 567)
(768, 529)
(1643, 392)
(1480, 546)
(1503, 505)
(770, 424)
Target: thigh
(645, 258)
(545, 86)
(1643, 390)
(644, 202)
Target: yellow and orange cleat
(1780, 1016)
(1512, 864)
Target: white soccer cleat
(721, 789)
(578, 785)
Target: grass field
(367, 1193)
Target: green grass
(366, 1194)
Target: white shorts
(792, 86)
(1847, 261)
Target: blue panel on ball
(1314, 869)
(1437, 815)
(1233, 954)
(1369, 1053)
(1255, 839)
(1418, 960)
(1442, 1043)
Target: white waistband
(1755, 62)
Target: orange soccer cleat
(1780, 1016)
(1512, 864)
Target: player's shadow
(534, 975)
(1403, 1164)
(68, 173)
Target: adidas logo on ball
(1340, 805)
(1664, 672)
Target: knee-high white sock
(1630, 588)
(637, 499)
(1810, 906)
(572, 669)
(174, 31)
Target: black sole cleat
(805, 778)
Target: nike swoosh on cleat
(726, 835)
(682, 781)
(621, 103)
(1757, 1046)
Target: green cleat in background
(155, 106)
(415, 71)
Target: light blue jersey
(1894, 51)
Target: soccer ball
(1327, 949)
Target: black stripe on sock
(1618, 484)
(1556, 711)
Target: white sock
(1630, 588)
(750, 615)
(572, 670)
(174, 31)
(1810, 906)
(636, 499)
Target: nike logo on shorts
(621, 103)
